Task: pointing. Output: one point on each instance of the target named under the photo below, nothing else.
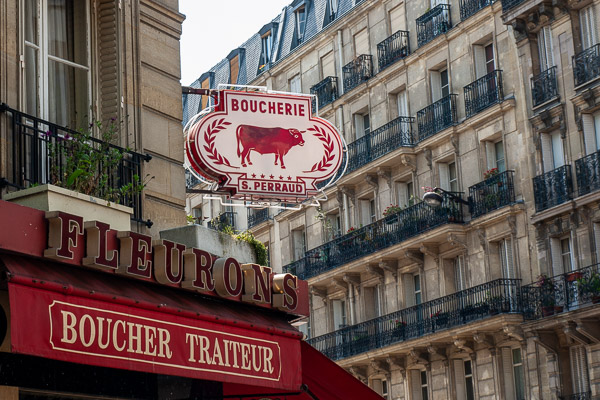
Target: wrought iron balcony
(357, 71)
(508, 4)
(492, 193)
(460, 308)
(586, 65)
(578, 396)
(587, 170)
(544, 87)
(223, 221)
(32, 162)
(433, 23)
(552, 188)
(326, 91)
(436, 117)
(561, 293)
(392, 49)
(470, 7)
(383, 140)
(256, 217)
(483, 93)
(374, 237)
(191, 180)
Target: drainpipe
(340, 60)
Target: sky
(213, 28)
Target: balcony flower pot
(574, 276)
(596, 299)
(547, 311)
(55, 198)
(558, 309)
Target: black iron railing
(561, 293)
(256, 217)
(553, 188)
(492, 193)
(381, 234)
(436, 117)
(578, 396)
(508, 4)
(191, 180)
(476, 303)
(586, 65)
(587, 170)
(544, 87)
(32, 163)
(470, 7)
(223, 222)
(381, 141)
(484, 92)
(357, 71)
(326, 91)
(392, 49)
(433, 23)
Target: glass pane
(519, 383)
(67, 35)
(467, 367)
(516, 353)
(469, 388)
(31, 21)
(31, 81)
(67, 95)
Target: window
(418, 385)
(424, 394)
(463, 373)
(460, 277)
(380, 386)
(562, 260)
(506, 258)
(372, 301)
(372, 210)
(591, 132)
(405, 193)
(453, 177)
(579, 369)
(565, 254)
(333, 226)
(234, 69)
(57, 73)
(298, 243)
(517, 364)
(332, 6)
(402, 102)
(339, 314)
(362, 125)
(587, 22)
(440, 84)
(552, 151)
(265, 55)
(295, 84)
(494, 152)
(448, 176)
(417, 292)
(197, 215)
(300, 23)
(512, 367)
(484, 60)
(545, 48)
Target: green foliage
(259, 247)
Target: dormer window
(300, 23)
(332, 6)
(265, 55)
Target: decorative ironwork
(433, 23)
(392, 49)
(436, 117)
(256, 217)
(223, 221)
(31, 164)
(476, 303)
(561, 293)
(191, 180)
(326, 91)
(544, 87)
(587, 170)
(492, 193)
(586, 65)
(552, 188)
(577, 396)
(394, 134)
(508, 4)
(374, 237)
(357, 71)
(483, 93)
(470, 7)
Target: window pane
(366, 124)
(31, 81)
(68, 95)
(31, 21)
(67, 36)
(500, 164)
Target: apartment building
(491, 294)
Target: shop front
(88, 312)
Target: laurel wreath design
(209, 138)
(327, 145)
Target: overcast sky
(213, 28)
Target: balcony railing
(578, 396)
(32, 164)
(483, 93)
(394, 134)
(191, 180)
(552, 188)
(476, 303)
(256, 217)
(436, 117)
(508, 4)
(326, 91)
(381, 234)
(357, 71)
(561, 293)
(586, 65)
(470, 7)
(433, 23)
(492, 193)
(392, 49)
(223, 222)
(587, 170)
(543, 87)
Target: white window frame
(266, 49)
(579, 369)
(545, 48)
(460, 273)
(300, 23)
(296, 84)
(588, 26)
(417, 289)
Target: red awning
(90, 317)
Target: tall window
(300, 23)
(339, 314)
(514, 381)
(587, 22)
(424, 391)
(298, 243)
(506, 259)
(417, 286)
(453, 177)
(380, 386)
(494, 152)
(405, 193)
(332, 6)
(552, 151)
(440, 84)
(448, 176)
(591, 132)
(565, 250)
(295, 84)
(402, 101)
(362, 125)
(460, 278)
(265, 54)
(57, 73)
(372, 210)
(545, 48)
(463, 373)
(372, 301)
(579, 369)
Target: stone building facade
(66, 64)
(491, 296)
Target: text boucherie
(168, 263)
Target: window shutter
(545, 48)
(589, 133)
(597, 129)
(402, 194)
(402, 104)
(555, 251)
(436, 86)
(109, 89)
(579, 369)
(359, 127)
(490, 153)
(397, 19)
(597, 240)
(459, 379)
(415, 384)
(507, 370)
(361, 43)
(589, 34)
(459, 273)
(480, 67)
(409, 290)
(377, 386)
(327, 63)
(444, 176)
(337, 314)
(557, 150)
(547, 161)
(506, 256)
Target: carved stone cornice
(519, 29)
(396, 362)
(549, 119)
(462, 345)
(548, 340)
(416, 358)
(389, 265)
(358, 372)
(353, 279)
(339, 284)
(483, 339)
(375, 270)
(373, 182)
(349, 192)
(380, 366)
(454, 141)
(454, 240)
(339, 195)
(428, 156)
(481, 237)
(589, 329)
(429, 251)
(386, 174)
(570, 331)
(414, 255)
(512, 224)
(435, 351)
(319, 292)
(514, 332)
(409, 161)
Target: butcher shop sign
(264, 146)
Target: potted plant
(399, 329)
(440, 319)
(391, 211)
(590, 286)
(574, 276)
(547, 293)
